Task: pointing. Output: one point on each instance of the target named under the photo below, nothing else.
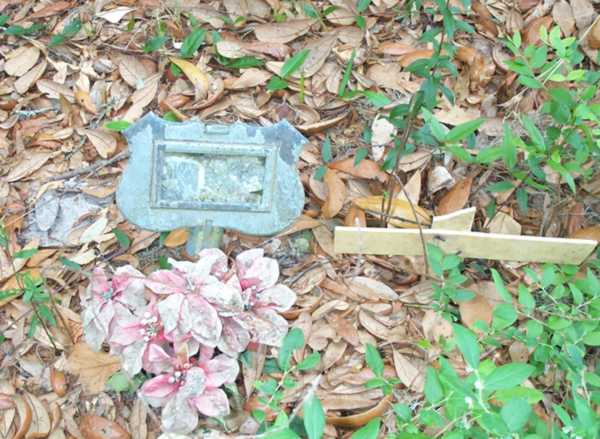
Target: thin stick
(91, 168)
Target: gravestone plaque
(196, 175)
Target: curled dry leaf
(198, 78)
(322, 125)
(33, 161)
(25, 82)
(336, 194)
(40, 420)
(250, 78)
(363, 418)
(20, 60)
(25, 416)
(481, 307)
(365, 169)
(133, 71)
(593, 38)
(592, 232)
(410, 375)
(104, 142)
(456, 198)
(401, 211)
(583, 12)
(371, 289)
(93, 368)
(282, 32)
(58, 382)
(176, 238)
(355, 218)
(563, 16)
(97, 427)
(410, 57)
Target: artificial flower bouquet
(171, 323)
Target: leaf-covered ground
(74, 73)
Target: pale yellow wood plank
(379, 241)
(461, 220)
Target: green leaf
(244, 62)
(369, 431)
(293, 340)
(294, 63)
(310, 362)
(374, 360)
(117, 125)
(504, 315)
(534, 132)
(526, 299)
(4, 19)
(377, 99)
(122, 238)
(119, 382)
(532, 396)
(155, 43)
(69, 264)
(515, 414)
(192, 43)
(276, 83)
(347, 73)
(433, 388)
(500, 186)
(507, 376)
(314, 417)
(69, 31)
(320, 173)
(467, 344)
(360, 22)
(592, 339)
(326, 150)
(361, 154)
(530, 82)
(500, 287)
(25, 254)
(463, 130)
(362, 5)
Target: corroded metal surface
(238, 176)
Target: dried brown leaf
(365, 169)
(40, 420)
(97, 427)
(410, 375)
(93, 368)
(176, 238)
(336, 194)
(33, 161)
(104, 142)
(371, 289)
(282, 32)
(401, 211)
(25, 82)
(456, 198)
(592, 232)
(20, 60)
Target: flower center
(178, 377)
(151, 326)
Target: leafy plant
(157, 41)
(290, 66)
(271, 393)
(69, 31)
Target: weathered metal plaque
(187, 174)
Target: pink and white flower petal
(166, 282)
(178, 416)
(205, 324)
(169, 310)
(226, 299)
(132, 357)
(256, 271)
(278, 297)
(213, 402)
(221, 370)
(156, 360)
(234, 338)
(159, 390)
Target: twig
(91, 168)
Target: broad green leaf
(526, 299)
(532, 396)
(320, 173)
(467, 344)
(314, 417)
(373, 359)
(117, 125)
(504, 315)
(530, 82)
(500, 186)
(192, 43)
(294, 63)
(69, 264)
(500, 287)
(361, 154)
(462, 131)
(515, 414)
(507, 376)
(122, 238)
(377, 99)
(293, 340)
(155, 43)
(369, 431)
(534, 132)
(69, 31)
(433, 388)
(362, 6)
(25, 254)
(592, 339)
(310, 362)
(276, 83)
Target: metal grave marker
(208, 177)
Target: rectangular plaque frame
(213, 148)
